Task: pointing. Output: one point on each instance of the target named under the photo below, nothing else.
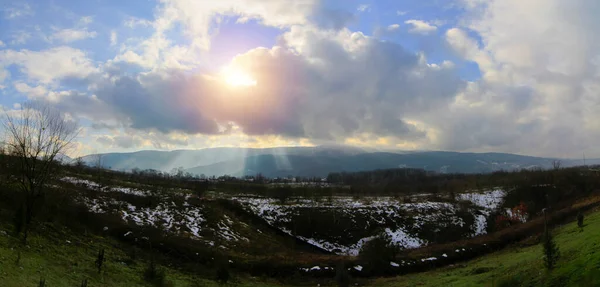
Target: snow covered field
(182, 219)
(408, 224)
(340, 224)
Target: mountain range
(316, 161)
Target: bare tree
(97, 161)
(35, 137)
(556, 164)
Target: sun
(237, 78)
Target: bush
(580, 219)
(223, 275)
(342, 278)
(509, 281)
(100, 260)
(155, 275)
(378, 252)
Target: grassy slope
(66, 264)
(579, 264)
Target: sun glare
(238, 78)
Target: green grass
(63, 263)
(579, 264)
(48, 255)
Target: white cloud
(363, 8)
(401, 13)
(4, 74)
(133, 22)
(420, 27)
(86, 20)
(20, 37)
(18, 10)
(72, 35)
(49, 65)
(393, 27)
(2, 44)
(539, 79)
(197, 16)
(329, 85)
(462, 43)
(113, 38)
(31, 92)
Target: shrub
(100, 260)
(342, 277)
(509, 281)
(223, 275)
(42, 283)
(19, 220)
(84, 283)
(580, 219)
(155, 275)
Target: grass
(65, 259)
(579, 264)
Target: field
(280, 235)
(65, 259)
(579, 264)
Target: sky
(459, 75)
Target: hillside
(521, 265)
(316, 161)
(64, 258)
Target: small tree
(100, 260)
(155, 275)
(35, 137)
(551, 252)
(341, 275)
(223, 275)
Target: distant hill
(317, 161)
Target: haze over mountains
(316, 161)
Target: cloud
(464, 45)
(196, 17)
(537, 93)
(72, 35)
(401, 13)
(538, 90)
(393, 27)
(49, 65)
(20, 37)
(113, 38)
(420, 27)
(18, 10)
(121, 141)
(322, 84)
(31, 92)
(2, 44)
(86, 20)
(363, 8)
(133, 22)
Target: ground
(65, 259)
(579, 264)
